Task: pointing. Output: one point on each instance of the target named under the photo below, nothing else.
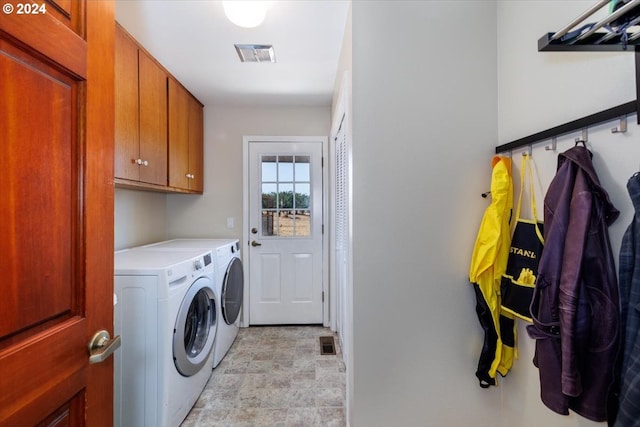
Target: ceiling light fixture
(245, 13)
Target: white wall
(428, 112)
(140, 217)
(342, 105)
(537, 91)
(206, 215)
(345, 61)
(143, 217)
(424, 128)
(616, 158)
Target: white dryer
(230, 274)
(229, 285)
(166, 315)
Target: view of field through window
(286, 195)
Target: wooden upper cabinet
(178, 136)
(127, 110)
(141, 114)
(196, 145)
(153, 120)
(185, 139)
(159, 124)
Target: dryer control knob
(197, 264)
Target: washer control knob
(197, 264)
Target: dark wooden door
(56, 211)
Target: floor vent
(327, 346)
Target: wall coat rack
(619, 31)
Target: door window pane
(303, 196)
(286, 223)
(285, 168)
(269, 223)
(303, 223)
(269, 195)
(286, 195)
(302, 168)
(269, 171)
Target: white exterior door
(285, 233)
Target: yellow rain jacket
(488, 263)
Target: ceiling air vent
(256, 52)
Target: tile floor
(274, 376)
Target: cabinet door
(153, 120)
(69, 12)
(127, 119)
(196, 145)
(178, 135)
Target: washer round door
(232, 291)
(195, 328)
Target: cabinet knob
(145, 163)
(137, 161)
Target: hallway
(274, 376)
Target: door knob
(254, 243)
(101, 346)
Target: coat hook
(553, 146)
(584, 138)
(485, 194)
(622, 127)
(529, 152)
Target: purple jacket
(575, 306)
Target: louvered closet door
(341, 222)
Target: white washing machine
(166, 316)
(229, 285)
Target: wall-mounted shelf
(617, 31)
(615, 44)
